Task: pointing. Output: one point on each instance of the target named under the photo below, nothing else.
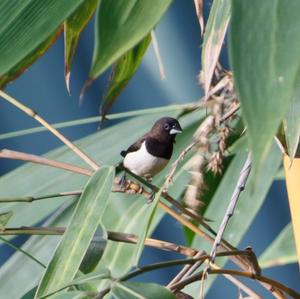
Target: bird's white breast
(143, 163)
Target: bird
(151, 153)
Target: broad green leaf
(96, 119)
(248, 205)
(4, 218)
(138, 290)
(214, 35)
(73, 27)
(264, 55)
(281, 251)
(79, 233)
(25, 25)
(292, 123)
(98, 275)
(119, 26)
(122, 72)
(21, 67)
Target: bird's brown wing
(134, 147)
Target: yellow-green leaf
(73, 27)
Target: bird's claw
(151, 197)
(122, 180)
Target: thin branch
(22, 251)
(273, 284)
(29, 199)
(9, 154)
(240, 186)
(113, 236)
(44, 123)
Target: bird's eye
(167, 127)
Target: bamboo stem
(9, 154)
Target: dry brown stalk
(9, 154)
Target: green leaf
(264, 54)
(122, 72)
(79, 233)
(94, 251)
(73, 27)
(148, 218)
(17, 69)
(213, 38)
(25, 26)
(4, 218)
(98, 275)
(30, 294)
(71, 295)
(281, 251)
(138, 290)
(96, 119)
(120, 25)
(248, 205)
(292, 123)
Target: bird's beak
(175, 131)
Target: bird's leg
(122, 181)
(152, 194)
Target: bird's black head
(166, 128)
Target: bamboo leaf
(96, 119)
(148, 218)
(97, 275)
(72, 295)
(27, 26)
(214, 35)
(73, 27)
(292, 123)
(17, 69)
(199, 12)
(265, 60)
(4, 218)
(281, 251)
(134, 290)
(120, 25)
(79, 233)
(122, 72)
